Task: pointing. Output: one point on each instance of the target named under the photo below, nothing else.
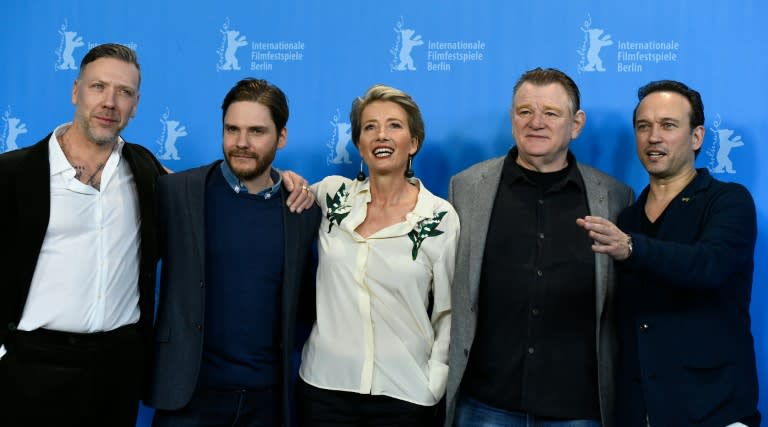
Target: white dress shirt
(86, 277)
(373, 334)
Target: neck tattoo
(81, 169)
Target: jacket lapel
(34, 194)
(194, 191)
(145, 179)
(485, 187)
(291, 228)
(597, 196)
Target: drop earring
(361, 174)
(409, 171)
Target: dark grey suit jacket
(180, 316)
(472, 193)
(25, 203)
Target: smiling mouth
(655, 155)
(383, 152)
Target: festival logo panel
(724, 140)
(412, 52)
(263, 55)
(598, 52)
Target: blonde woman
(378, 352)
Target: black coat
(24, 213)
(180, 324)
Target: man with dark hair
(696, 115)
(533, 330)
(237, 271)
(685, 252)
(78, 259)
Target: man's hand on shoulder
(300, 197)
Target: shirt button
(202, 284)
(531, 350)
(539, 273)
(541, 235)
(535, 311)
(541, 202)
(644, 327)
(198, 327)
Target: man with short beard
(78, 259)
(237, 271)
(685, 255)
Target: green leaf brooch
(423, 229)
(338, 209)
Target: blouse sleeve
(441, 309)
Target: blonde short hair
(381, 92)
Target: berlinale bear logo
(12, 128)
(339, 140)
(594, 40)
(720, 151)
(65, 53)
(171, 132)
(405, 41)
(231, 41)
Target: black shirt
(535, 345)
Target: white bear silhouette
(173, 132)
(596, 42)
(724, 163)
(15, 128)
(343, 136)
(408, 42)
(71, 42)
(233, 43)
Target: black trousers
(52, 378)
(318, 407)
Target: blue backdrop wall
(459, 60)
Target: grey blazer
(179, 329)
(472, 193)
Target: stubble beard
(110, 137)
(249, 173)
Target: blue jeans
(471, 413)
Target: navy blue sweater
(244, 270)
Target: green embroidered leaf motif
(337, 207)
(425, 228)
